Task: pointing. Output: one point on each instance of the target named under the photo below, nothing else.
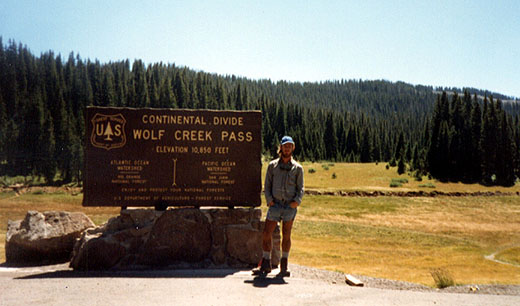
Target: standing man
(283, 194)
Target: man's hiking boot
(264, 268)
(283, 268)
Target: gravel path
(381, 283)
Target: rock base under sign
(183, 238)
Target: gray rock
(178, 235)
(42, 238)
(244, 243)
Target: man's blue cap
(287, 139)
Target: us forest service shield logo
(108, 131)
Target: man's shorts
(281, 212)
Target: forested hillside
(42, 100)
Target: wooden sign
(172, 157)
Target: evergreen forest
(453, 135)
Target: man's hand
(270, 204)
(294, 204)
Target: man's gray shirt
(284, 182)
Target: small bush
(312, 170)
(325, 167)
(395, 184)
(401, 180)
(331, 165)
(398, 182)
(427, 185)
(334, 176)
(442, 278)
(387, 166)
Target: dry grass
(407, 238)
(399, 238)
(510, 255)
(372, 177)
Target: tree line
(43, 99)
(473, 141)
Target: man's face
(287, 150)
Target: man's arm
(299, 188)
(268, 185)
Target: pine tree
(352, 142)
(456, 144)
(12, 150)
(505, 160)
(401, 166)
(399, 152)
(488, 142)
(166, 96)
(181, 93)
(474, 149)
(239, 104)
(366, 147)
(107, 93)
(47, 162)
(3, 133)
(438, 148)
(29, 154)
(142, 99)
(331, 139)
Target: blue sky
(446, 43)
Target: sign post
(171, 157)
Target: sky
(438, 43)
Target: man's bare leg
(267, 244)
(267, 235)
(286, 247)
(286, 238)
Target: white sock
(266, 255)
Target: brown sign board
(172, 157)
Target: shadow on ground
(180, 273)
(264, 282)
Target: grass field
(372, 177)
(401, 238)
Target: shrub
(312, 170)
(387, 166)
(395, 184)
(325, 167)
(401, 167)
(401, 180)
(334, 176)
(442, 278)
(427, 185)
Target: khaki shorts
(281, 212)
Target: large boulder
(46, 237)
(178, 235)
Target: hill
(42, 101)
